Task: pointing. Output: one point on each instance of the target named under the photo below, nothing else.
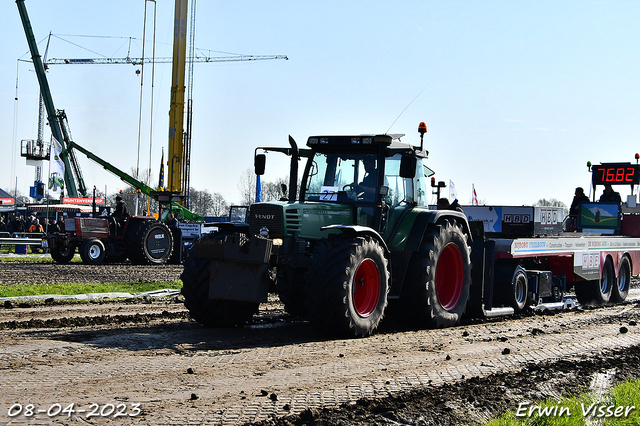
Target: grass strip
(16, 290)
(620, 406)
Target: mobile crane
(141, 239)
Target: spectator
(35, 227)
(579, 198)
(18, 224)
(53, 226)
(610, 196)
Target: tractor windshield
(342, 177)
(400, 189)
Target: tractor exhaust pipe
(293, 178)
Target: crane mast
(176, 111)
(54, 118)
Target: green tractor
(358, 243)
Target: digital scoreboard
(615, 174)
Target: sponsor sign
(76, 200)
(7, 201)
(190, 231)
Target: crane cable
(153, 73)
(144, 36)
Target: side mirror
(259, 163)
(408, 165)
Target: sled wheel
(620, 291)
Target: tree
(247, 187)
(552, 202)
(272, 191)
(146, 205)
(205, 203)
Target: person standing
(610, 196)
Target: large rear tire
(347, 285)
(620, 291)
(206, 311)
(436, 288)
(149, 242)
(92, 252)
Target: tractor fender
(353, 230)
(430, 218)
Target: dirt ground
(144, 361)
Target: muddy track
(50, 272)
(280, 371)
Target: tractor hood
(282, 220)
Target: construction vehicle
(142, 239)
(343, 255)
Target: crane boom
(140, 61)
(52, 114)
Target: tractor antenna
(405, 108)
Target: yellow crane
(177, 181)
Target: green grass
(16, 290)
(579, 410)
(34, 258)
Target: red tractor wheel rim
(450, 276)
(366, 288)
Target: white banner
(55, 184)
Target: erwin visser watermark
(525, 409)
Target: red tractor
(142, 239)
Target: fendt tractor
(141, 239)
(360, 242)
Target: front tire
(290, 285)
(206, 311)
(92, 252)
(347, 285)
(436, 290)
(62, 253)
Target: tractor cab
(373, 173)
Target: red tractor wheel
(347, 285)
(436, 288)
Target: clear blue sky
(519, 95)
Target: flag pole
(46, 229)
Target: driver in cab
(367, 187)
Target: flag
(474, 196)
(258, 190)
(453, 194)
(55, 183)
(161, 180)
